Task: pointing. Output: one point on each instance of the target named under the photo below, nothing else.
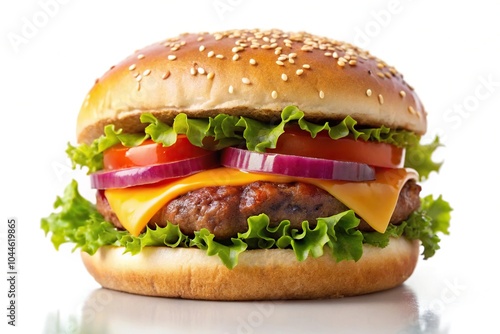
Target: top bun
(251, 73)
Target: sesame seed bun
(260, 274)
(250, 73)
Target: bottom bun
(260, 274)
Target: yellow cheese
(374, 201)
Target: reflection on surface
(393, 311)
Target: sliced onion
(128, 177)
(298, 166)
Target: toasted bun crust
(250, 73)
(260, 274)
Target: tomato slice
(295, 141)
(150, 153)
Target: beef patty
(224, 210)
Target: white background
(52, 51)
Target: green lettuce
(257, 136)
(432, 218)
(77, 221)
(419, 157)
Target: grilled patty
(224, 210)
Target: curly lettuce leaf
(85, 155)
(382, 239)
(432, 218)
(77, 221)
(158, 131)
(91, 156)
(228, 254)
(257, 136)
(261, 235)
(260, 136)
(345, 239)
(419, 157)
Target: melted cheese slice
(374, 201)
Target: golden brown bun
(260, 274)
(250, 73)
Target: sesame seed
(236, 57)
(246, 81)
(282, 57)
(202, 48)
(138, 86)
(165, 75)
(132, 67)
(280, 63)
(236, 49)
(380, 99)
(352, 62)
(299, 71)
(411, 110)
(306, 66)
(368, 92)
(274, 94)
(402, 93)
(193, 71)
(146, 72)
(230, 90)
(328, 54)
(210, 75)
(380, 74)
(201, 70)
(219, 56)
(172, 57)
(210, 54)
(292, 55)
(321, 94)
(140, 56)
(335, 55)
(252, 61)
(284, 77)
(138, 78)
(341, 63)
(291, 61)
(199, 39)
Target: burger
(251, 165)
